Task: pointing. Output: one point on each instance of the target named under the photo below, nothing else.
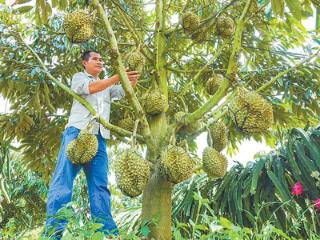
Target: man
(99, 94)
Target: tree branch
(146, 51)
(160, 45)
(230, 74)
(272, 80)
(217, 115)
(106, 124)
(115, 54)
(187, 87)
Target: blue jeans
(60, 190)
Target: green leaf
(44, 13)
(281, 233)
(277, 7)
(63, 4)
(255, 176)
(48, 9)
(23, 9)
(67, 236)
(96, 226)
(97, 236)
(201, 227)
(37, 15)
(145, 230)
(295, 8)
(20, 2)
(55, 3)
(226, 223)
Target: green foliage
(260, 58)
(259, 194)
(76, 228)
(26, 191)
(204, 224)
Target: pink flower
(317, 203)
(297, 189)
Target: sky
(248, 148)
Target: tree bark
(156, 207)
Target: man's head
(92, 62)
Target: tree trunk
(156, 207)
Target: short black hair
(86, 55)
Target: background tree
(249, 43)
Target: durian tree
(228, 68)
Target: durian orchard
(217, 69)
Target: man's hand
(133, 77)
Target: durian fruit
(251, 112)
(193, 127)
(214, 163)
(132, 173)
(190, 128)
(225, 26)
(219, 136)
(201, 34)
(82, 149)
(214, 83)
(135, 61)
(154, 102)
(190, 22)
(179, 116)
(126, 123)
(78, 26)
(177, 164)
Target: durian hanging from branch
(135, 60)
(132, 170)
(219, 135)
(82, 149)
(192, 26)
(225, 26)
(250, 112)
(127, 122)
(213, 83)
(154, 102)
(214, 163)
(176, 163)
(79, 26)
(190, 22)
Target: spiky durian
(78, 26)
(201, 34)
(132, 173)
(154, 102)
(214, 83)
(135, 61)
(225, 26)
(214, 163)
(179, 116)
(82, 149)
(251, 112)
(190, 22)
(126, 123)
(177, 164)
(219, 136)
